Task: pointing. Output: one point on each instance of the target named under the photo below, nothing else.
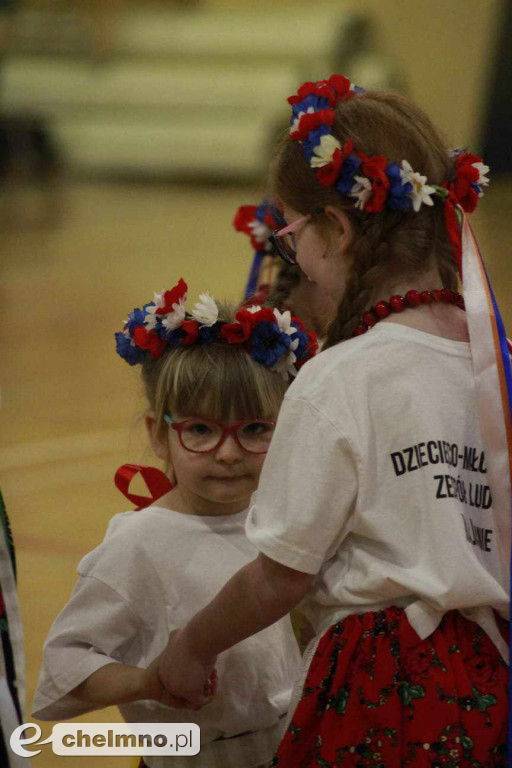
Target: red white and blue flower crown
(275, 339)
(373, 182)
(258, 222)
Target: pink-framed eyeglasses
(284, 241)
(206, 435)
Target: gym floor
(73, 264)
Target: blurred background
(130, 132)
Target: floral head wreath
(374, 182)
(258, 222)
(275, 339)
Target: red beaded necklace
(398, 303)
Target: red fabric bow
(157, 482)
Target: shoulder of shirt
(127, 523)
(127, 532)
(329, 366)
(143, 530)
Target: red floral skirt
(377, 696)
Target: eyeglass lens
(253, 436)
(285, 246)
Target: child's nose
(229, 451)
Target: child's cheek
(259, 463)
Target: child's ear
(159, 446)
(343, 227)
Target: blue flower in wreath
(348, 171)
(302, 338)
(313, 140)
(135, 319)
(124, 347)
(209, 333)
(312, 100)
(268, 343)
(172, 338)
(399, 198)
(269, 208)
(261, 211)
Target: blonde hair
(216, 380)
(388, 244)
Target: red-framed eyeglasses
(206, 435)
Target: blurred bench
(186, 91)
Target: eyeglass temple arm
(290, 227)
(168, 419)
(293, 226)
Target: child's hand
(151, 687)
(186, 678)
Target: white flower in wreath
(151, 317)
(295, 125)
(206, 311)
(284, 321)
(482, 170)
(174, 319)
(323, 152)
(286, 363)
(421, 192)
(253, 309)
(259, 231)
(362, 191)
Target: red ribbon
(157, 482)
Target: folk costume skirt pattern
(377, 696)
(142, 764)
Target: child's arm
(120, 683)
(257, 595)
(93, 631)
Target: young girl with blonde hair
(384, 503)
(214, 384)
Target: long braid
(359, 289)
(395, 245)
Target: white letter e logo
(16, 742)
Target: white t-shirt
(376, 482)
(155, 569)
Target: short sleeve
(303, 508)
(94, 629)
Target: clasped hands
(178, 679)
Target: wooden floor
(70, 406)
